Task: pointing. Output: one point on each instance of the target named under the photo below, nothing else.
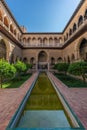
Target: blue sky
(43, 15)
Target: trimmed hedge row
(77, 68)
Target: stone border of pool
(18, 113)
(76, 98)
(75, 121)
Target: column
(36, 66)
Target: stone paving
(11, 98)
(76, 97)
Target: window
(70, 32)
(85, 16)
(6, 22)
(80, 21)
(11, 28)
(74, 27)
(1, 18)
(15, 32)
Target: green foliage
(14, 83)
(20, 67)
(62, 67)
(70, 81)
(55, 66)
(6, 71)
(78, 68)
(28, 66)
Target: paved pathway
(76, 97)
(10, 100)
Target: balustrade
(42, 45)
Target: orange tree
(62, 67)
(7, 71)
(20, 67)
(78, 69)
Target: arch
(20, 58)
(42, 60)
(25, 60)
(8, 47)
(50, 40)
(85, 15)
(56, 40)
(15, 32)
(29, 40)
(83, 49)
(40, 40)
(70, 32)
(19, 37)
(42, 57)
(33, 39)
(74, 27)
(32, 60)
(24, 40)
(72, 57)
(17, 58)
(6, 21)
(11, 28)
(3, 49)
(68, 59)
(80, 20)
(66, 36)
(52, 61)
(1, 16)
(60, 39)
(79, 43)
(64, 59)
(59, 60)
(45, 40)
(12, 58)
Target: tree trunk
(1, 82)
(84, 79)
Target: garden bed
(15, 83)
(70, 81)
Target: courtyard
(63, 51)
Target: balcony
(80, 30)
(42, 45)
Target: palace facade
(43, 50)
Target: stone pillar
(36, 66)
(36, 62)
(78, 55)
(48, 62)
(48, 66)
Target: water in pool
(43, 108)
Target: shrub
(29, 66)
(20, 67)
(7, 71)
(78, 68)
(62, 67)
(55, 66)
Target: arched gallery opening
(2, 49)
(83, 50)
(42, 60)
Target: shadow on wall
(9, 53)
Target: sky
(42, 15)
